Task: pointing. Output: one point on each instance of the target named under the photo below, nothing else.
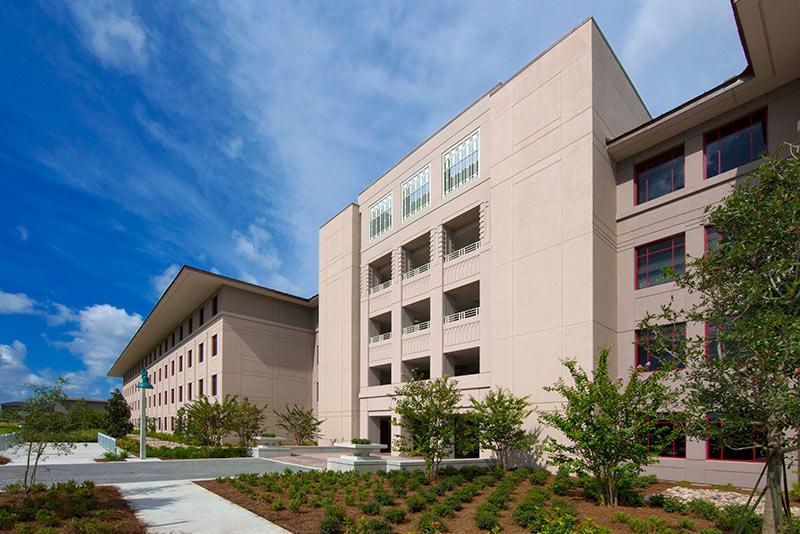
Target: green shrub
(563, 482)
(642, 481)
(430, 523)
(382, 498)
(710, 531)
(539, 477)
(6, 518)
(295, 503)
(486, 517)
(590, 528)
(377, 526)
(46, 517)
(416, 503)
(794, 491)
(394, 515)
(674, 506)
(330, 525)
(277, 505)
(88, 525)
(360, 441)
(530, 515)
(687, 523)
(657, 500)
(371, 508)
(705, 509)
(739, 516)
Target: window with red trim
(736, 143)
(713, 239)
(676, 448)
(653, 258)
(659, 175)
(715, 450)
(648, 357)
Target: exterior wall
(678, 212)
(338, 367)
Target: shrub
(394, 515)
(705, 509)
(360, 441)
(377, 526)
(330, 525)
(416, 503)
(46, 517)
(540, 477)
(687, 523)
(431, 523)
(371, 508)
(486, 517)
(657, 500)
(563, 482)
(674, 506)
(730, 517)
(530, 515)
(278, 505)
(382, 498)
(6, 518)
(710, 531)
(642, 481)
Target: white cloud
(16, 303)
(103, 331)
(61, 314)
(162, 281)
(256, 247)
(14, 372)
(24, 233)
(112, 32)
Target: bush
(687, 524)
(657, 500)
(371, 508)
(6, 518)
(540, 477)
(674, 506)
(416, 503)
(377, 526)
(394, 515)
(730, 517)
(360, 441)
(705, 509)
(710, 531)
(563, 482)
(486, 517)
(46, 517)
(330, 525)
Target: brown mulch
(4, 460)
(109, 498)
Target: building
(214, 336)
(531, 227)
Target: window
(202, 316)
(652, 259)
(648, 357)
(200, 353)
(189, 391)
(180, 393)
(659, 175)
(380, 217)
(214, 345)
(713, 238)
(200, 387)
(214, 385)
(460, 163)
(416, 193)
(718, 344)
(189, 358)
(180, 363)
(172, 396)
(214, 305)
(739, 142)
(159, 398)
(675, 448)
(716, 450)
(159, 375)
(172, 368)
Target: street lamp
(143, 385)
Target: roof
(773, 59)
(190, 288)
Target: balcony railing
(460, 316)
(472, 247)
(414, 272)
(380, 337)
(417, 327)
(381, 286)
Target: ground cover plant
(182, 453)
(67, 507)
(468, 500)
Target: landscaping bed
(182, 452)
(67, 507)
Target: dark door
(386, 432)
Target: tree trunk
(27, 466)
(773, 511)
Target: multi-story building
(533, 226)
(210, 335)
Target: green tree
(82, 417)
(744, 394)
(204, 422)
(300, 424)
(117, 416)
(500, 418)
(426, 411)
(247, 421)
(43, 426)
(606, 423)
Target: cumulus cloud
(162, 281)
(15, 375)
(256, 247)
(16, 303)
(60, 314)
(112, 32)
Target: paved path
(183, 506)
(81, 453)
(120, 472)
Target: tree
(300, 424)
(426, 411)
(43, 426)
(206, 423)
(740, 387)
(247, 421)
(500, 417)
(82, 417)
(607, 423)
(117, 417)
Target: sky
(136, 137)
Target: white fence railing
(379, 287)
(414, 272)
(416, 327)
(380, 337)
(8, 440)
(107, 442)
(460, 316)
(472, 247)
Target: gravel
(719, 497)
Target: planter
(276, 440)
(361, 451)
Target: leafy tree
(82, 417)
(300, 424)
(117, 417)
(247, 421)
(426, 411)
(43, 426)
(740, 388)
(500, 418)
(206, 423)
(606, 423)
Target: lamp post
(143, 385)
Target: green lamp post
(143, 385)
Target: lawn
(7, 428)
(467, 500)
(67, 507)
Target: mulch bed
(120, 514)
(4, 460)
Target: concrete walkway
(183, 506)
(82, 453)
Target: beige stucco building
(533, 226)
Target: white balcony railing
(460, 316)
(379, 287)
(414, 272)
(472, 247)
(417, 327)
(380, 337)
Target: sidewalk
(82, 453)
(183, 506)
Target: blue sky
(137, 137)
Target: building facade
(531, 227)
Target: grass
(7, 428)
(182, 453)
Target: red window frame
(668, 155)
(638, 251)
(677, 328)
(733, 126)
(709, 231)
(755, 460)
(674, 441)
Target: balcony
(416, 327)
(380, 337)
(460, 316)
(462, 309)
(472, 247)
(424, 268)
(416, 324)
(380, 279)
(380, 287)
(416, 368)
